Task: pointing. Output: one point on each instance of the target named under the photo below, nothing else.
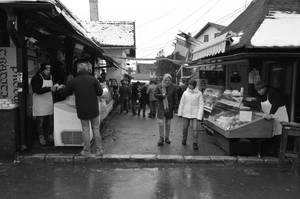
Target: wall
(112, 72)
(209, 31)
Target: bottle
(242, 91)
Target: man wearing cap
(272, 102)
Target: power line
(207, 11)
(166, 31)
(162, 16)
(229, 15)
(153, 46)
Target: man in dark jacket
(86, 89)
(125, 93)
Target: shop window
(206, 38)
(4, 38)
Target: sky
(159, 21)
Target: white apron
(42, 104)
(280, 116)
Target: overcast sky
(158, 21)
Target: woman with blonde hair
(191, 110)
(167, 97)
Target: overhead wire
(184, 19)
(162, 16)
(207, 11)
(229, 15)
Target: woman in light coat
(191, 110)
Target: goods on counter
(7, 104)
(227, 121)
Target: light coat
(191, 104)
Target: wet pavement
(128, 134)
(131, 180)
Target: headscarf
(164, 91)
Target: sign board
(245, 116)
(8, 74)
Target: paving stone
(196, 159)
(223, 159)
(33, 158)
(77, 159)
(59, 158)
(170, 158)
(270, 160)
(249, 160)
(143, 157)
(116, 157)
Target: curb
(147, 158)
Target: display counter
(236, 126)
(67, 126)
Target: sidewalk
(128, 134)
(129, 138)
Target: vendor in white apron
(42, 103)
(272, 103)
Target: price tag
(245, 116)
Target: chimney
(94, 10)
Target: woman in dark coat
(166, 94)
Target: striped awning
(215, 46)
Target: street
(132, 180)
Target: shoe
(183, 142)
(42, 140)
(160, 142)
(167, 141)
(195, 146)
(144, 116)
(86, 153)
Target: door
(279, 75)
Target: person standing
(124, 93)
(134, 97)
(86, 89)
(273, 103)
(42, 103)
(152, 99)
(166, 94)
(191, 109)
(143, 100)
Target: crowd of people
(163, 99)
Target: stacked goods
(7, 104)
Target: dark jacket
(143, 97)
(124, 92)
(37, 83)
(172, 101)
(86, 89)
(276, 98)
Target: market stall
(67, 126)
(237, 128)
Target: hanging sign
(8, 74)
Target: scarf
(164, 91)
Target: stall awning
(64, 21)
(215, 46)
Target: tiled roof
(112, 33)
(247, 23)
(217, 26)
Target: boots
(195, 146)
(160, 142)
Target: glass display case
(230, 118)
